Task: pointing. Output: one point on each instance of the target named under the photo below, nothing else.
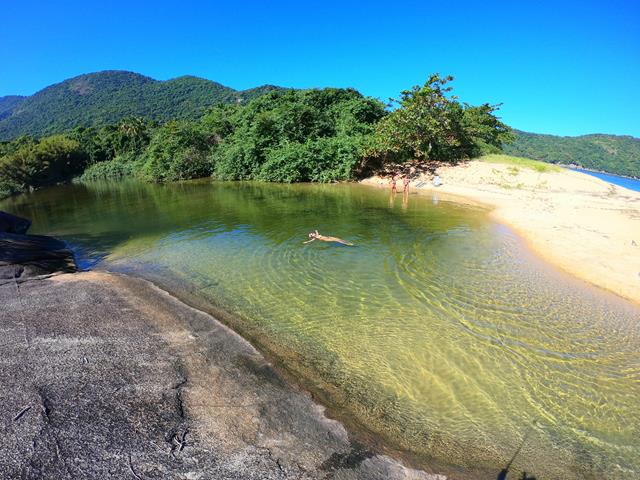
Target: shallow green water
(438, 331)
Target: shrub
(177, 151)
(37, 164)
(293, 136)
(122, 166)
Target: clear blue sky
(559, 67)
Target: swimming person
(316, 236)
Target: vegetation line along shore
(113, 125)
(282, 136)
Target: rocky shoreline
(108, 376)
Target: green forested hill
(8, 104)
(102, 98)
(608, 153)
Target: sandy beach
(585, 226)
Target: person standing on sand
(405, 184)
(316, 236)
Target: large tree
(428, 123)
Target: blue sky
(565, 68)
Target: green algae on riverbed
(439, 331)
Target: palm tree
(133, 134)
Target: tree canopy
(429, 124)
(34, 164)
(296, 136)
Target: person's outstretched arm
(309, 241)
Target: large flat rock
(107, 376)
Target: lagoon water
(438, 332)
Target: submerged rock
(12, 224)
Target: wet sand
(111, 377)
(587, 227)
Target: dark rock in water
(25, 256)
(12, 224)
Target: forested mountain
(102, 98)
(8, 105)
(608, 153)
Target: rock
(107, 376)
(26, 256)
(12, 224)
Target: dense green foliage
(283, 136)
(321, 135)
(177, 151)
(294, 136)
(30, 164)
(104, 98)
(9, 104)
(607, 153)
(430, 124)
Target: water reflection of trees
(106, 214)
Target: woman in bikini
(316, 236)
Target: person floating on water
(316, 236)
